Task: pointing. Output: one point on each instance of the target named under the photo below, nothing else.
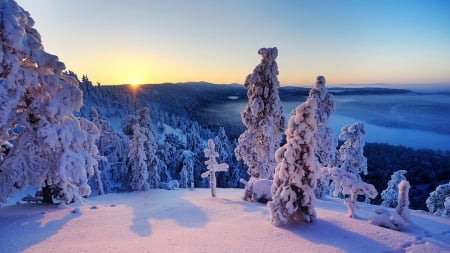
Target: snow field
(192, 221)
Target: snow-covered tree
(348, 183)
(128, 124)
(195, 144)
(326, 143)
(213, 166)
(263, 118)
(403, 200)
(150, 147)
(225, 149)
(138, 160)
(436, 200)
(446, 212)
(399, 219)
(51, 147)
(295, 175)
(351, 153)
(390, 194)
(114, 146)
(187, 171)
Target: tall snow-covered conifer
(295, 176)
(263, 118)
(150, 147)
(326, 142)
(351, 153)
(52, 147)
(325, 149)
(138, 160)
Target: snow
(191, 221)
(233, 97)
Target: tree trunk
(47, 194)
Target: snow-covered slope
(191, 221)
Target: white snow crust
(191, 221)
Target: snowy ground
(191, 221)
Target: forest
(186, 107)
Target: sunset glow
(401, 42)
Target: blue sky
(154, 41)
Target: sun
(134, 85)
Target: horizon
(401, 42)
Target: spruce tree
(263, 118)
(51, 147)
(213, 166)
(326, 143)
(351, 152)
(295, 175)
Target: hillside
(191, 221)
(215, 105)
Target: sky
(156, 41)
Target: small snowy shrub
(257, 189)
(390, 194)
(436, 200)
(384, 218)
(401, 217)
(403, 200)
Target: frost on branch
(351, 153)
(52, 147)
(213, 166)
(349, 184)
(295, 177)
(390, 194)
(437, 202)
(263, 118)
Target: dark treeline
(426, 169)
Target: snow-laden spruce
(263, 118)
(52, 147)
(326, 143)
(295, 178)
(390, 194)
(213, 166)
(437, 202)
(138, 160)
(351, 152)
(150, 147)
